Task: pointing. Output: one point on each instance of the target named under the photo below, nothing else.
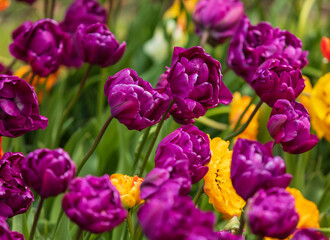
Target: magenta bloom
(309, 234)
(83, 12)
(272, 213)
(217, 17)
(93, 203)
(19, 109)
(275, 79)
(2, 68)
(48, 172)
(97, 45)
(253, 167)
(289, 125)
(251, 45)
(15, 196)
(27, 1)
(175, 218)
(17, 236)
(187, 142)
(133, 101)
(196, 83)
(42, 44)
(224, 235)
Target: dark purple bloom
(19, 110)
(41, 44)
(83, 12)
(272, 213)
(93, 203)
(160, 183)
(289, 125)
(2, 68)
(5, 233)
(217, 17)
(253, 167)
(27, 1)
(133, 101)
(275, 79)
(48, 172)
(97, 45)
(175, 218)
(17, 236)
(224, 235)
(309, 234)
(187, 142)
(251, 45)
(15, 196)
(196, 83)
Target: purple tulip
(97, 45)
(15, 196)
(253, 167)
(5, 233)
(219, 18)
(17, 236)
(175, 218)
(2, 68)
(19, 110)
(224, 235)
(309, 234)
(42, 44)
(187, 142)
(196, 83)
(272, 213)
(93, 203)
(289, 125)
(133, 101)
(83, 12)
(160, 183)
(251, 45)
(48, 172)
(275, 79)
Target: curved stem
(199, 194)
(137, 231)
(110, 7)
(130, 224)
(52, 9)
(211, 123)
(36, 218)
(245, 125)
(243, 113)
(159, 126)
(140, 148)
(9, 67)
(204, 38)
(94, 146)
(241, 222)
(79, 234)
(71, 104)
(46, 8)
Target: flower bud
(129, 189)
(196, 83)
(93, 203)
(15, 195)
(325, 47)
(217, 17)
(272, 213)
(97, 45)
(253, 167)
(289, 125)
(48, 172)
(133, 101)
(309, 234)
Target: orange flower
(237, 107)
(309, 215)
(4, 4)
(218, 185)
(39, 83)
(325, 47)
(129, 189)
(1, 151)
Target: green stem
(95, 144)
(79, 234)
(241, 222)
(324, 195)
(52, 9)
(130, 224)
(9, 67)
(211, 123)
(199, 194)
(71, 104)
(110, 7)
(204, 38)
(243, 113)
(46, 8)
(245, 125)
(139, 150)
(36, 218)
(137, 231)
(153, 141)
